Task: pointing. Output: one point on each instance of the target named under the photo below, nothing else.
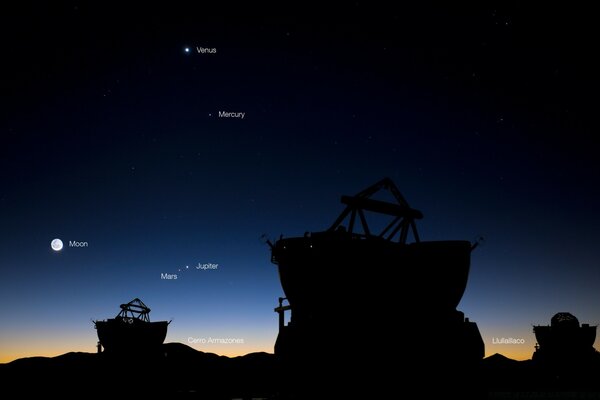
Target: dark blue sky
(484, 118)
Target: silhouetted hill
(181, 369)
(176, 369)
(502, 375)
(498, 359)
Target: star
(186, 50)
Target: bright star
(187, 49)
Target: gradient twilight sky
(485, 119)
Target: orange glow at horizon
(27, 346)
(55, 344)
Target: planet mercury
(56, 245)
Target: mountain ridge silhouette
(177, 368)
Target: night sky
(485, 118)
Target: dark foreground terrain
(176, 369)
(181, 370)
(504, 378)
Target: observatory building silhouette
(356, 294)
